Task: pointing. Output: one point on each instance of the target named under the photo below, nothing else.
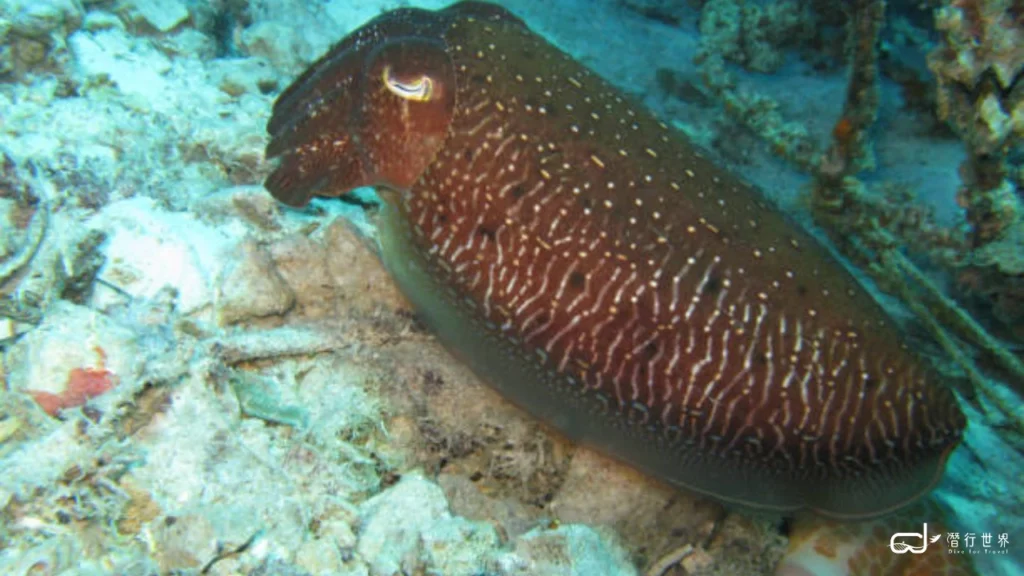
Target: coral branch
(851, 151)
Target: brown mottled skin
(593, 266)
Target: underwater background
(199, 380)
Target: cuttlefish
(598, 270)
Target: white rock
(458, 547)
(133, 65)
(37, 18)
(163, 15)
(569, 550)
(392, 522)
(70, 337)
(97, 20)
(149, 249)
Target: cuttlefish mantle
(591, 264)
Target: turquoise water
(199, 379)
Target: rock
(318, 557)
(249, 203)
(33, 34)
(112, 55)
(97, 20)
(163, 15)
(697, 562)
(335, 269)
(41, 18)
(276, 42)
(56, 555)
(466, 498)
(330, 552)
(981, 489)
(183, 543)
(264, 398)
(392, 523)
(302, 262)
(11, 329)
(238, 76)
(149, 249)
(72, 340)
(139, 511)
(569, 550)
(251, 287)
(188, 43)
(359, 277)
(602, 492)
(408, 528)
(458, 547)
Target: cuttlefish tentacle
(587, 261)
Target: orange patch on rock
(83, 384)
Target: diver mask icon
(913, 542)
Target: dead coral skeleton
(978, 66)
(838, 202)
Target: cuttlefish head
(374, 111)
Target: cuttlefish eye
(419, 89)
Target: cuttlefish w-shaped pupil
(579, 263)
(415, 88)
